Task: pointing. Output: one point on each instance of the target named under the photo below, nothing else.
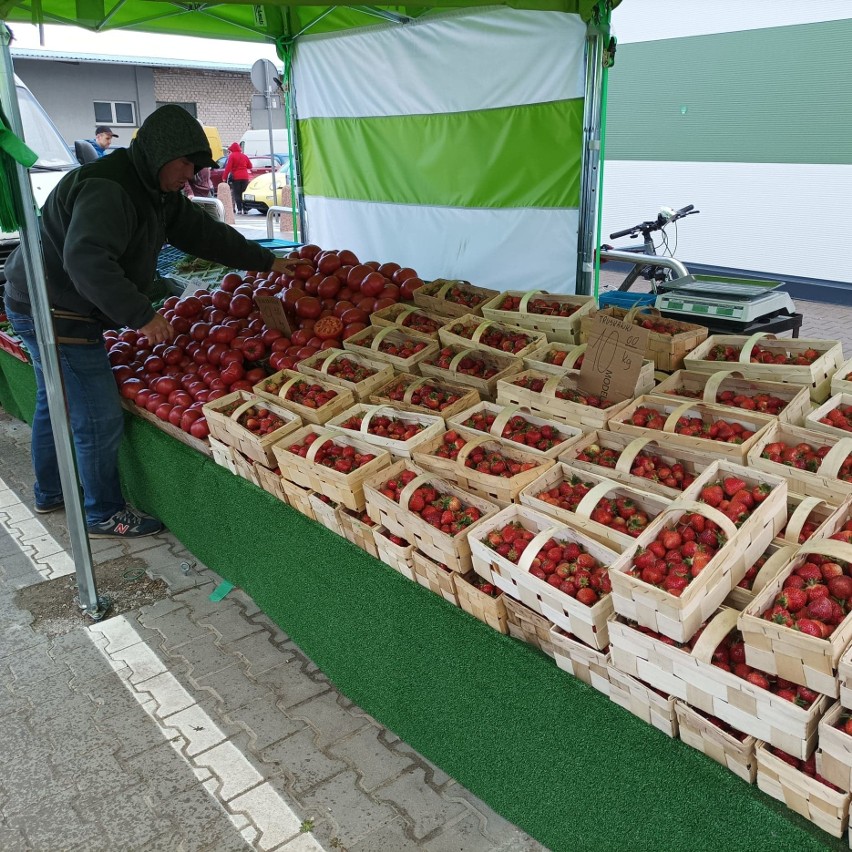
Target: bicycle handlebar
(655, 224)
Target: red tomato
(352, 328)
(329, 263)
(329, 287)
(347, 257)
(388, 269)
(356, 275)
(341, 307)
(355, 315)
(308, 307)
(230, 282)
(407, 288)
(309, 251)
(328, 328)
(241, 306)
(373, 284)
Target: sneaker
(47, 508)
(126, 523)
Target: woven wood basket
(368, 341)
(397, 556)
(326, 514)
(317, 367)
(298, 498)
(223, 455)
(546, 404)
(528, 626)
(225, 428)
(561, 329)
(808, 797)
(425, 455)
(824, 483)
(276, 387)
(245, 467)
(406, 385)
(504, 413)
(578, 659)
(356, 531)
(693, 678)
(433, 296)
(834, 755)
(812, 421)
(673, 409)
(475, 327)
(403, 316)
(841, 381)
(435, 577)
(505, 365)
(490, 611)
(667, 351)
(699, 732)
(587, 623)
(643, 701)
(270, 481)
(710, 385)
(816, 377)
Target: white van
(255, 143)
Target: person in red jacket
(237, 172)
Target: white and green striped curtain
(452, 145)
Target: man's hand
(285, 264)
(158, 330)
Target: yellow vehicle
(214, 139)
(258, 194)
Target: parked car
(259, 166)
(258, 194)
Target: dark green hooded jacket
(103, 226)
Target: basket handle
(321, 438)
(470, 446)
(629, 453)
(334, 354)
(835, 457)
(409, 391)
(714, 382)
(572, 355)
(798, 518)
(480, 330)
(405, 494)
(721, 625)
(535, 544)
(235, 414)
(369, 411)
(458, 357)
(549, 389)
(525, 299)
(745, 352)
(407, 311)
(285, 388)
(444, 287)
(828, 547)
(381, 334)
(771, 567)
(645, 309)
(591, 499)
(712, 514)
(502, 419)
(660, 376)
(671, 420)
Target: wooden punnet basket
(299, 498)
(841, 381)
(802, 509)
(667, 351)
(808, 797)
(788, 653)
(707, 387)
(824, 482)
(691, 677)
(578, 659)
(629, 448)
(490, 611)
(452, 551)
(587, 623)
(425, 454)
(276, 387)
(410, 388)
(546, 404)
(777, 557)
(356, 531)
(344, 488)
(651, 504)
(432, 424)
(505, 365)
(643, 701)
(223, 455)
(317, 366)
(673, 410)
(397, 556)
(225, 428)
(561, 329)
(812, 421)
(433, 297)
(834, 756)
(698, 731)
(449, 335)
(368, 341)
(435, 577)
(529, 626)
(817, 376)
(503, 414)
(403, 316)
(270, 481)
(325, 513)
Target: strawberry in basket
(311, 395)
(459, 295)
(766, 403)
(538, 305)
(451, 443)
(718, 430)
(445, 512)
(421, 322)
(340, 457)
(496, 464)
(808, 767)
(839, 418)
(349, 370)
(536, 385)
(403, 349)
(654, 468)
(601, 456)
(383, 426)
(260, 420)
(734, 498)
(803, 456)
(484, 586)
(557, 358)
(430, 395)
(470, 365)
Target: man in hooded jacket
(102, 229)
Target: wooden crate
(808, 797)
(402, 392)
(560, 329)
(298, 498)
(451, 334)
(276, 387)
(270, 481)
(777, 556)
(708, 386)
(432, 424)
(667, 351)
(433, 297)
(691, 677)
(823, 483)
(643, 701)
(318, 365)
(397, 556)
(225, 428)
(546, 404)
(529, 626)
(490, 611)
(816, 377)
(841, 381)
(435, 577)
(452, 551)
(344, 488)
(812, 421)
(586, 664)
(791, 654)
(629, 448)
(587, 623)
(325, 513)
(409, 316)
(504, 413)
(367, 343)
(602, 487)
(356, 531)
(505, 365)
(673, 409)
(697, 731)
(834, 755)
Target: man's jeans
(97, 423)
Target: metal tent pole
(94, 606)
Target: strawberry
(809, 627)
(712, 495)
(732, 484)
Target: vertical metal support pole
(34, 263)
(292, 122)
(269, 89)
(595, 43)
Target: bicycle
(658, 268)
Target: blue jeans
(97, 424)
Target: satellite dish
(263, 76)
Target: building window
(115, 112)
(191, 108)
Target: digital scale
(733, 299)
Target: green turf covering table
(543, 749)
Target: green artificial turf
(544, 750)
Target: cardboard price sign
(272, 311)
(613, 359)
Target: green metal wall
(778, 95)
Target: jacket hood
(168, 133)
(235, 147)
